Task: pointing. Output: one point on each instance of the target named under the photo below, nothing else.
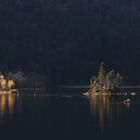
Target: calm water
(65, 114)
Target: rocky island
(105, 82)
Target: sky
(66, 40)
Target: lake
(65, 114)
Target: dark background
(65, 40)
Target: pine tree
(101, 74)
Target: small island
(105, 82)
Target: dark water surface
(67, 115)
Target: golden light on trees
(6, 84)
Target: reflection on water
(107, 108)
(6, 104)
(68, 116)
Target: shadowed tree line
(66, 40)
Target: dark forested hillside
(67, 39)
